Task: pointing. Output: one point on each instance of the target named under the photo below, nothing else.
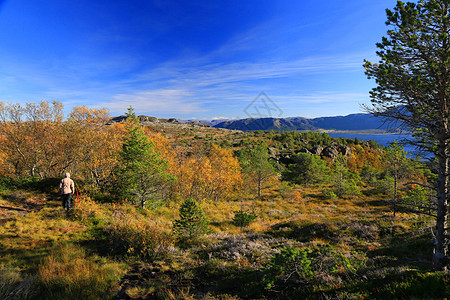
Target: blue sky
(191, 59)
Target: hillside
(94, 252)
(351, 122)
(171, 210)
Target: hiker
(67, 188)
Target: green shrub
(385, 186)
(103, 198)
(290, 264)
(5, 183)
(347, 188)
(243, 219)
(306, 169)
(299, 273)
(329, 194)
(192, 222)
(418, 196)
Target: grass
(68, 273)
(102, 250)
(41, 256)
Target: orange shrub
(137, 237)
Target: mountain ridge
(352, 122)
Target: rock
(197, 123)
(285, 158)
(317, 150)
(143, 119)
(345, 150)
(330, 152)
(173, 121)
(272, 152)
(304, 150)
(118, 119)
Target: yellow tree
(226, 172)
(94, 144)
(193, 171)
(31, 137)
(211, 175)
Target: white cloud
(156, 101)
(323, 97)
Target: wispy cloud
(190, 89)
(322, 97)
(193, 85)
(156, 101)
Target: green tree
(142, 175)
(192, 222)
(344, 181)
(256, 165)
(307, 168)
(413, 90)
(397, 164)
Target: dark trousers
(66, 201)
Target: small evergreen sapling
(192, 222)
(243, 219)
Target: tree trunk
(259, 187)
(395, 192)
(441, 243)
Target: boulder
(330, 152)
(272, 152)
(143, 119)
(345, 150)
(317, 150)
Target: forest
(170, 210)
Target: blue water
(382, 139)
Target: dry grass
(300, 217)
(13, 285)
(68, 273)
(26, 239)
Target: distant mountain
(212, 122)
(345, 123)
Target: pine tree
(397, 163)
(306, 169)
(413, 90)
(192, 222)
(256, 164)
(142, 176)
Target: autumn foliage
(207, 175)
(36, 141)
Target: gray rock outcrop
(330, 152)
(317, 150)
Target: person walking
(67, 188)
